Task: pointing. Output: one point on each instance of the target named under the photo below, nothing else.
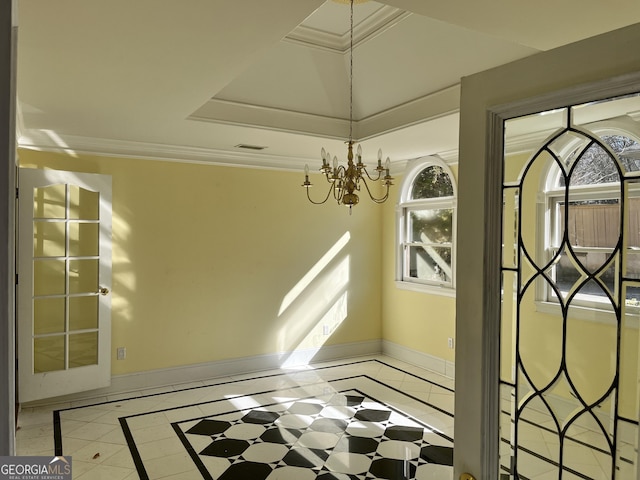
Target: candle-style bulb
(387, 165)
(379, 155)
(359, 151)
(335, 162)
(306, 169)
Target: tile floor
(364, 418)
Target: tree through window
(427, 219)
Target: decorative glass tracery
(569, 331)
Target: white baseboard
(420, 359)
(135, 382)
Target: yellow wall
(415, 320)
(214, 263)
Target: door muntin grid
(566, 380)
(66, 249)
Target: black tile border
(57, 427)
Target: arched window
(584, 197)
(426, 217)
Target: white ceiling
(192, 79)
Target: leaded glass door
(64, 273)
(571, 293)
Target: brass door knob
(467, 476)
(103, 291)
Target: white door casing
(64, 283)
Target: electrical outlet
(121, 353)
(450, 342)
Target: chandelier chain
(345, 181)
(351, 75)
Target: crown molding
(270, 118)
(375, 24)
(423, 109)
(40, 140)
(429, 107)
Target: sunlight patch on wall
(315, 307)
(318, 334)
(313, 273)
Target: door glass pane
(49, 202)
(49, 239)
(83, 349)
(83, 204)
(48, 354)
(83, 313)
(48, 315)
(48, 277)
(509, 227)
(83, 239)
(83, 276)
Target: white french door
(64, 281)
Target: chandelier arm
(374, 198)
(332, 187)
(338, 193)
(364, 169)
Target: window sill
(596, 315)
(422, 288)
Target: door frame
(8, 47)
(485, 344)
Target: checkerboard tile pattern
(340, 436)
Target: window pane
(569, 275)
(592, 223)
(432, 182)
(430, 263)
(430, 226)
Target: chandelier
(346, 180)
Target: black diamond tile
(228, 447)
(305, 408)
(404, 433)
(357, 444)
(370, 415)
(437, 454)
(209, 427)
(246, 471)
(280, 435)
(392, 469)
(328, 425)
(261, 417)
(346, 400)
(305, 457)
